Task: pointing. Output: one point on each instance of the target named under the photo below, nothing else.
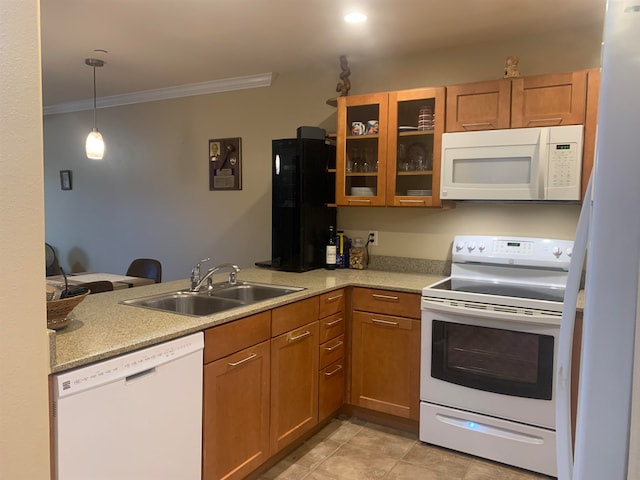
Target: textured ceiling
(165, 43)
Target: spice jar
(358, 254)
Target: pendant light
(95, 143)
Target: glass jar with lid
(358, 258)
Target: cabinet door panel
(360, 159)
(413, 156)
(548, 100)
(294, 385)
(478, 106)
(236, 413)
(386, 357)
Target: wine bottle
(331, 251)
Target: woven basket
(58, 310)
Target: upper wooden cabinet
(394, 164)
(479, 106)
(536, 101)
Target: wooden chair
(146, 268)
(99, 286)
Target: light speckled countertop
(102, 327)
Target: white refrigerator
(609, 230)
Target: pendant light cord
(95, 127)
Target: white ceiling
(165, 43)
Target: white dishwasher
(133, 417)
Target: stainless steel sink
(220, 298)
(251, 292)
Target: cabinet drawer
(331, 302)
(331, 351)
(387, 302)
(294, 315)
(330, 389)
(331, 327)
(234, 336)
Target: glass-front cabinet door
(416, 124)
(362, 150)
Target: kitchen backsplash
(410, 265)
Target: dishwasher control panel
(129, 365)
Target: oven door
(489, 362)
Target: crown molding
(191, 89)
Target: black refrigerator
(302, 186)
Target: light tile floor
(351, 449)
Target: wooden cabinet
(386, 352)
(535, 101)
(236, 398)
(478, 106)
(397, 164)
(294, 372)
(331, 377)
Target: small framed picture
(225, 163)
(65, 180)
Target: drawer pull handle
(335, 297)
(357, 200)
(388, 298)
(335, 322)
(331, 349)
(298, 337)
(479, 124)
(384, 322)
(240, 362)
(331, 374)
(421, 202)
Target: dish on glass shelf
(419, 193)
(407, 128)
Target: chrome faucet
(197, 285)
(195, 274)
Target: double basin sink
(222, 297)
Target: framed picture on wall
(65, 180)
(225, 164)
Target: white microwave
(514, 164)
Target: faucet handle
(195, 271)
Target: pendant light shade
(95, 144)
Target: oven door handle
(537, 319)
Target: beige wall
(150, 197)
(24, 432)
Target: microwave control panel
(563, 165)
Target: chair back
(99, 286)
(146, 268)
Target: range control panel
(518, 251)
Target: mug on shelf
(358, 128)
(372, 127)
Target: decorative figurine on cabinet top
(344, 86)
(511, 67)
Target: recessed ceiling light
(355, 17)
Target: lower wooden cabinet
(385, 364)
(294, 385)
(236, 413)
